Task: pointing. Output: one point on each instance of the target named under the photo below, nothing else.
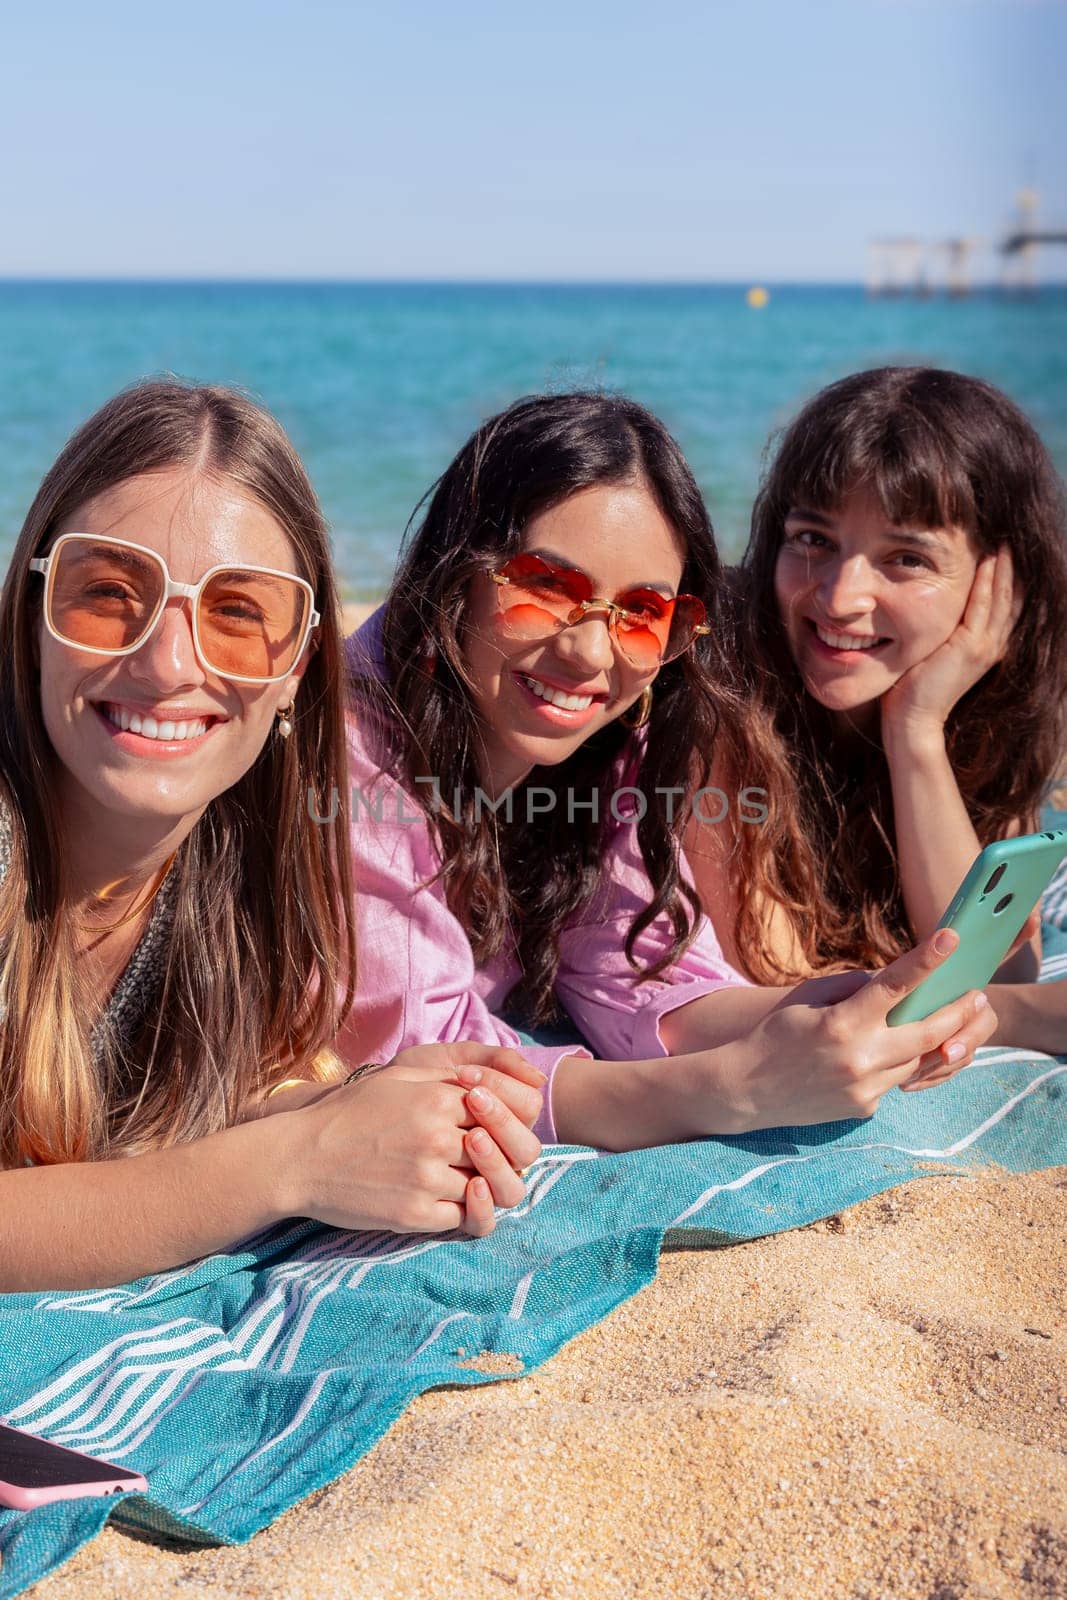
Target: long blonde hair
(260, 964)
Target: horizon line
(418, 282)
(405, 281)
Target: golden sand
(871, 1407)
(352, 614)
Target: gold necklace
(136, 910)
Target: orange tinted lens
(252, 624)
(689, 615)
(103, 596)
(538, 598)
(655, 630)
(642, 627)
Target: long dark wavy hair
(936, 449)
(507, 885)
(260, 962)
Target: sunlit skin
(126, 802)
(618, 536)
(940, 615)
(850, 572)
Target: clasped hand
(429, 1144)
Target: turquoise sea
(379, 384)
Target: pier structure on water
(916, 266)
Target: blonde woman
(176, 947)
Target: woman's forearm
(718, 1018)
(820, 1052)
(88, 1225)
(292, 1095)
(1031, 1016)
(935, 838)
(936, 842)
(690, 1093)
(632, 1105)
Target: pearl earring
(285, 720)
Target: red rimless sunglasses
(537, 598)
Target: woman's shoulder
(370, 716)
(364, 648)
(388, 829)
(373, 751)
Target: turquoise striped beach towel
(242, 1383)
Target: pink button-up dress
(417, 978)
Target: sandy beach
(872, 1406)
(355, 612)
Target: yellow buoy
(757, 298)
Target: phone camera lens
(996, 877)
(1002, 905)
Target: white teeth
(556, 697)
(166, 732)
(846, 641)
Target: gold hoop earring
(285, 720)
(638, 714)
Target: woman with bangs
(176, 939)
(902, 610)
(525, 709)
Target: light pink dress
(417, 979)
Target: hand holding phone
(34, 1471)
(988, 911)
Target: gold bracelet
(287, 1083)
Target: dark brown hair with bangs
(937, 449)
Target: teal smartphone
(988, 910)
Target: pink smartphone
(33, 1472)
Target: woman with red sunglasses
(525, 709)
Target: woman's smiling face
(617, 536)
(194, 522)
(862, 600)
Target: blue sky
(484, 139)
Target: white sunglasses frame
(188, 591)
